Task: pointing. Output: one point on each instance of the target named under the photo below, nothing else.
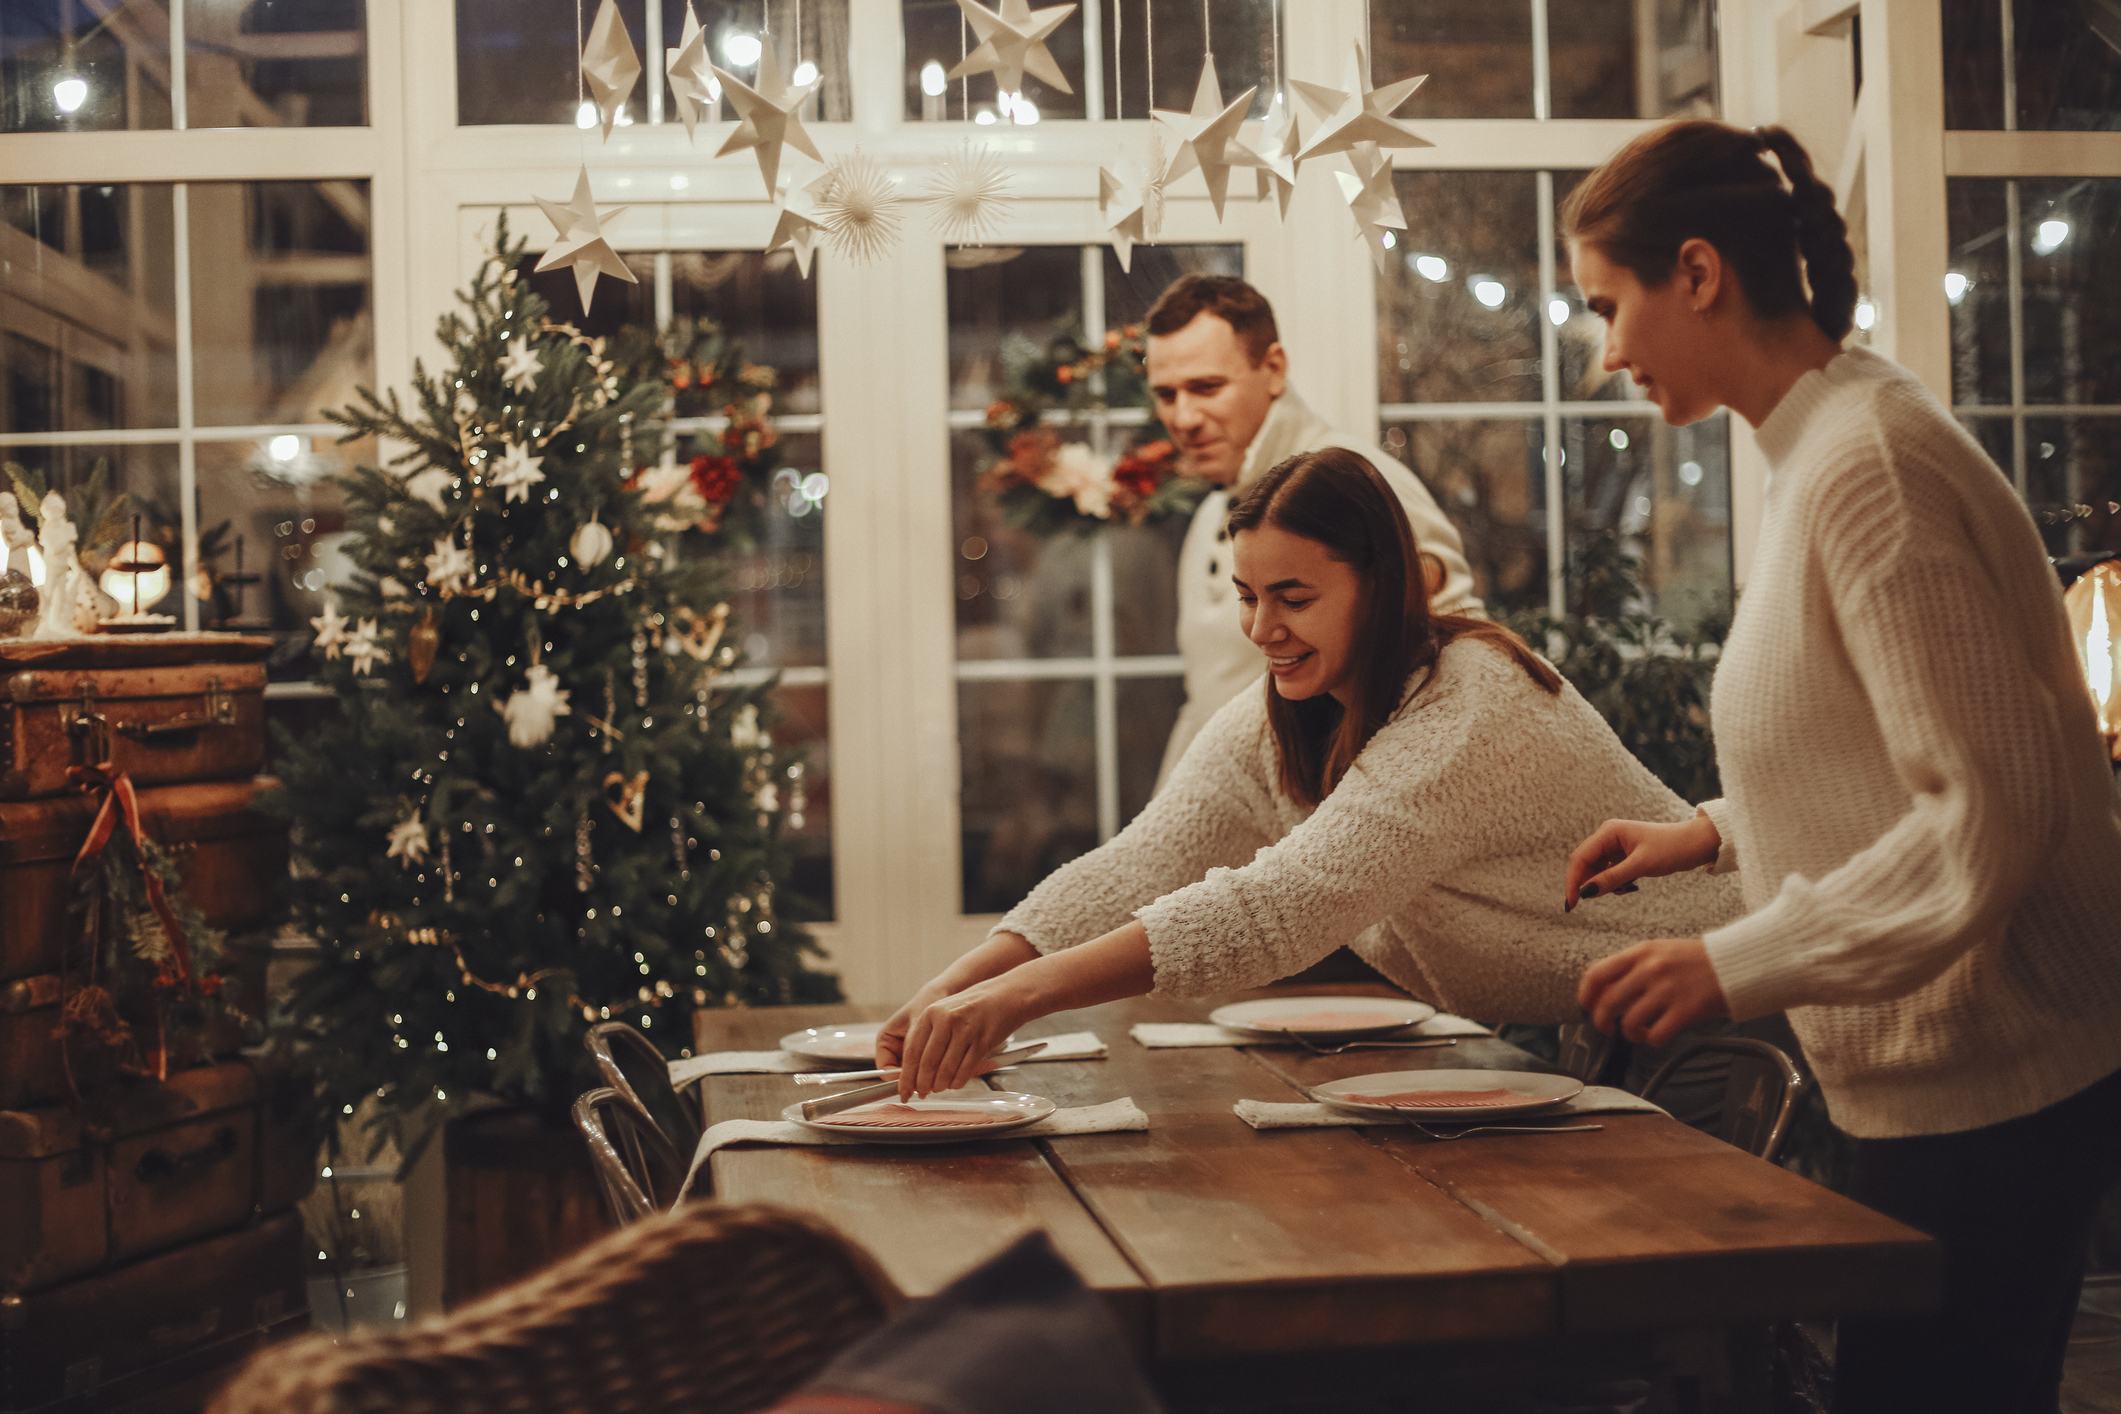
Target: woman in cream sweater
(1918, 803)
(1406, 784)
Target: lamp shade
(141, 564)
(2094, 604)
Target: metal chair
(1758, 1097)
(1586, 1053)
(632, 1065)
(629, 1155)
(716, 1309)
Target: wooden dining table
(1258, 1253)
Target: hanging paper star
(331, 629)
(610, 64)
(1012, 41)
(691, 83)
(363, 648)
(968, 195)
(1372, 199)
(1119, 206)
(449, 566)
(859, 207)
(1276, 155)
(516, 472)
(1357, 113)
(534, 710)
(520, 366)
(408, 842)
(582, 242)
(1207, 136)
(769, 117)
(796, 224)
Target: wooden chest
(151, 1167)
(163, 709)
(167, 1329)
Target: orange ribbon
(120, 787)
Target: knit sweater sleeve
(1216, 809)
(1414, 805)
(1973, 737)
(1720, 815)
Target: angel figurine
(15, 537)
(62, 572)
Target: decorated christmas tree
(539, 806)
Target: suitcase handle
(219, 711)
(162, 1166)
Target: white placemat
(1071, 1045)
(1108, 1118)
(1157, 1035)
(1269, 1114)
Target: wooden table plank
(927, 1214)
(1256, 1242)
(1657, 1225)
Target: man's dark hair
(1226, 297)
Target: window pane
(280, 300)
(72, 67)
(1019, 595)
(613, 304)
(271, 524)
(1994, 435)
(1007, 305)
(1660, 495)
(1147, 709)
(1632, 58)
(1129, 293)
(937, 37)
(2073, 482)
(2072, 235)
(1244, 36)
(2069, 65)
(1027, 763)
(1488, 478)
(1580, 335)
(1980, 274)
(275, 63)
(517, 59)
(1973, 63)
(1145, 588)
(805, 724)
(88, 308)
(777, 586)
(1477, 54)
(1458, 316)
(762, 301)
(147, 475)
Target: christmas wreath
(726, 485)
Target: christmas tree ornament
(450, 567)
(581, 242)
(422, 641)
(430, 486)
(331, 629)
(692, 81)
(1119, 206)
(1207, 137)
(590, 544)
(1012, 43)
(407, 842)
(1372, 200)
(520, 366)
(744, 728)
(534, 710)
(364, 648)
(768, 117)
(1275, 155)
(640, 669)
(699, 634)
(859, 207)
(516, 471)
(796, 226)
(968, 195)
(1357, 113)
(628, 799)
(610, 64)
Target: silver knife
(833, 1104)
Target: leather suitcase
(174, 1324)
(231, 857)
(162, 710)
(160, 1165)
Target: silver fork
(1428, 1133)
(1318, 1050)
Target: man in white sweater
(1220, 380)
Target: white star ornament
(691, 81)
(1119, 205)
(1207, 136)
(516, 471)
(610, 64)
(769, 117)
(331, 629)
(520, 366)
(1357, 113)
(1372, 200)
(796, 225)
(1012, 43)
(582, 242)
(1275, 155)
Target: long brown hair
(1707, 180)
(1336, 498)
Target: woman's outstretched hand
(951, 1038)
(1653, 991)
(1622, 851)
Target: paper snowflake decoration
(363, 649)
(408, 842)
(858, 204)
(449, 567)
(968, 195)
(520, 366)
(516, 472)
(331, 629)
(533, 711)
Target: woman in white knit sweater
(1406, 784)
(1917, 800)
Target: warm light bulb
(70, 94)
(1388, 240)
(985, 117)
(1866, 315)
(1955, 286)
(933, 81)
(1432, 268)
(743, 50)
(1558, 311)
(1618, 438)
(586, 115)
(1025, 111)
(152, 584)
(284, 448)
(805, 73)
(1489, 292)
(2049, 236)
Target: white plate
(1014, 1112)
(1341, 1018)
(1527, 1091)
(853, 1047)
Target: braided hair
(1707, 180)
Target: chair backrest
(1759, 1094)
(630, 1155)
(632, 1065)
(1585, 1052)
(714, 1309)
